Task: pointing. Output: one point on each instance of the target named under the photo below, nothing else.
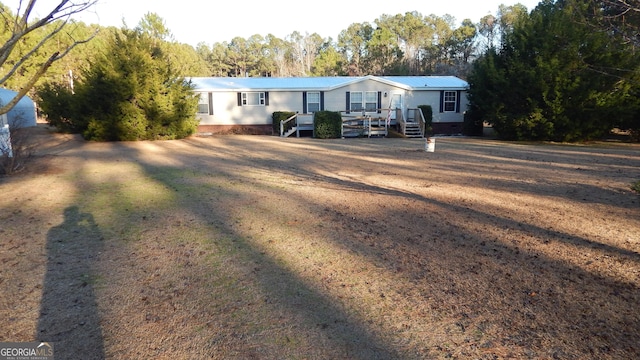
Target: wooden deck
(364, 126)
(360, 124)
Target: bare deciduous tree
(21, 25)
(622, 18)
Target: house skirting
(447, 128)
(236, 129)
(441, 128)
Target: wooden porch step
(290, 132)
(412, 130)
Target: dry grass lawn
(257, 247)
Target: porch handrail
(423, 123)
(282, 122)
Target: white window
(356, 101)
(367, 101)
(253, 99)
(313, 102)
(371, 101)
(203, 104)
(449, 101)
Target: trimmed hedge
(278, 116)
(327, 124)
(427, 113)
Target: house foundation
(447, 128)
(236, 129)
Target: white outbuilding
(22, 115)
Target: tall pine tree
(546, 80)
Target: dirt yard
(257, 247)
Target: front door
(395, 103)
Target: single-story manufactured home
(247, 104)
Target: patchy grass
(261, 247)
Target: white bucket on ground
(430, 144)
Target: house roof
(428, 82)
(324, 83)
(23, 114)
(7, 95)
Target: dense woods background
(568, 70)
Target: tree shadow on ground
(206, 186)
(335, 332)
(565, 293)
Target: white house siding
(336, 100)
(221, 109)
(227, 112)
(285, 101)
(464, 102)
(417, 98)
(433, 98)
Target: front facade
(246, 104)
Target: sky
(196, 21)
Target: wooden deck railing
(364, 124)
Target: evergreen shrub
(278, 116)
(473, 125)
(427, 113)
(327, 124)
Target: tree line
(401, 44)
(566, 71)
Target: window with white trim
(313, 102)
(356, 101)
(371, 101)
(449, 101)
(203, 104)
(253, 99)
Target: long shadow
(485, 247)
(281, 283)
(531, 228)
(558, 169)
(68, 312)
(602, 324)
(478, 248)
(284, 164)
(317, 312)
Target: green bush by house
(328, 124)
(278, 116)
(427, 113)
